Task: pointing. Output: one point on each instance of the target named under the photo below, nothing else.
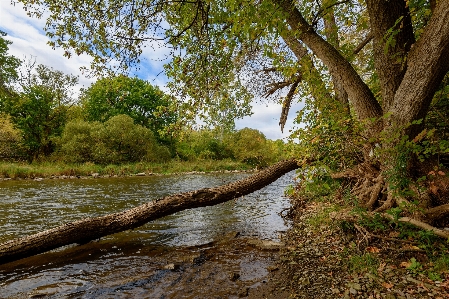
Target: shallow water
(28, 207)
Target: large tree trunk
(88, 229)
(360, 96)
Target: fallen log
(88, 229)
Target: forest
(116, 120)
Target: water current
(28, 207)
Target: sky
(29, 41)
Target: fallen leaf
(405, 264)
(394, 234)
(381, 267)
(441, 172)
(387, 285)
(372, 249)
(434, 189)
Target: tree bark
(88, 229)
(360, 96)
(391, 26)
(331, 32)
(427, 64)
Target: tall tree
(147, 105)
(38, 108)
(8, 67)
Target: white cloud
(266, 119)
(29, 39)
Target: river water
(27, 207)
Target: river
(27, 207)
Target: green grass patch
(322, 217)
(363, 263)
(48, 169)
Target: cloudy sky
(29, 41)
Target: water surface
(27, 207)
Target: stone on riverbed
(265, 244)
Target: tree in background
(10, 139)
(147, 105)
(249, 146)
(118, 140)
(8, 68)
(202, 144)
(38, 108)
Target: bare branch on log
(88, 229)
(439, 232)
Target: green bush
(202, 145)
(10, 140)
(79, 140)
(116, 141)
(249, 146)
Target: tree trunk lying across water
(88, 229)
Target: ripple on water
(28, 207)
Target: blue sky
(29, 40)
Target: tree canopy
(37, 107)
(147, 105)
(8, 66)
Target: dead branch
(439, 232)
(88, 229)
(287, 103)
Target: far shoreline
(61, 171)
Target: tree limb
(367, 39)
(439, 232)
(360, 95)
(287, 103)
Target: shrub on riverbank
(116, 141)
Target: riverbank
(331, 253)
(62, 170)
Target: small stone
(141, 174)
(95, 175)
(172, 266)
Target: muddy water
(139, 263)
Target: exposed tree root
(437, 212)
(374, 194)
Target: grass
(322, 217)
(47, 169)
(363, 263)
